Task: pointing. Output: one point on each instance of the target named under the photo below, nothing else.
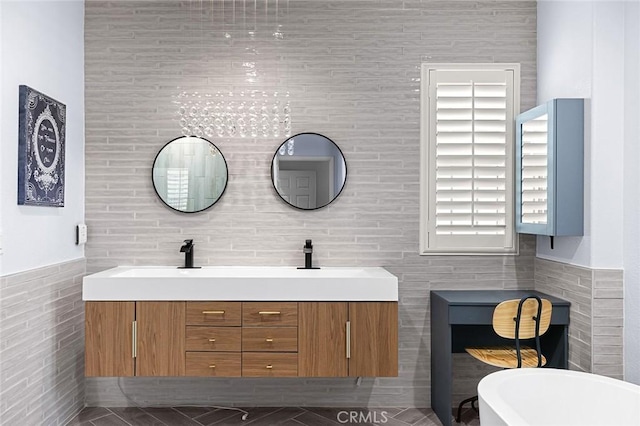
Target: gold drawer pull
(213, 312)
(212, 340)
(269, 312)
(268, 340)
(269, 367)
(212, 366)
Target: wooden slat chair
(527, 318)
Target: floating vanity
(241, 322)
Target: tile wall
(42, 345)
(352, 71)
(597, 306)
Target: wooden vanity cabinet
(322, 339)
(249, 339)
(374, 339)
(160, 338)
(340, 339)
(109, 339)
(124, 339)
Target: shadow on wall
(233, 392)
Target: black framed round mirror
(189, 174)
(308, 171)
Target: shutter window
(469, 160)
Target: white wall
(632, 192)
(581, 55)
(565, 57)
(607, 135)
(42, 46)
(1, 156)
(590, 49)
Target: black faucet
(308, 253)
(187, 249)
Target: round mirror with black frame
(308, 171)
(189, 174)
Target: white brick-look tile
(42, 345)
(595, 330)
(352, 70)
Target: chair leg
(472, 400)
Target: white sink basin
(245, 283)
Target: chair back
(505, 317)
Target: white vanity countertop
(241, 283)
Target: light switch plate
(81, 233)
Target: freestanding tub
(547, 396)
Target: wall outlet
(81, 233)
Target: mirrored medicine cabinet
(550, 169)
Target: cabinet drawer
(213, 364)
(259, 314)
(214, 313)
(217, 339)
(269, 364)
(270, 339)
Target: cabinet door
(109, 338)
(550, 169)
(161, 337)
(322, 343)
(374, 339)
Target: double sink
(241, 283)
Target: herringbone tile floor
(261, 416)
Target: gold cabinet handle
(212, 340)
(269, 312)
(213, 312)
(269, 367)
(134, 339)
(212, 366)
(348, 339)
(268, 340)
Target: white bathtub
(546, 396)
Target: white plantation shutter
(468, 160)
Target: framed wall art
(41, 140)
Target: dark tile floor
(261, 416)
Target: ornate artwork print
(41, 141)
